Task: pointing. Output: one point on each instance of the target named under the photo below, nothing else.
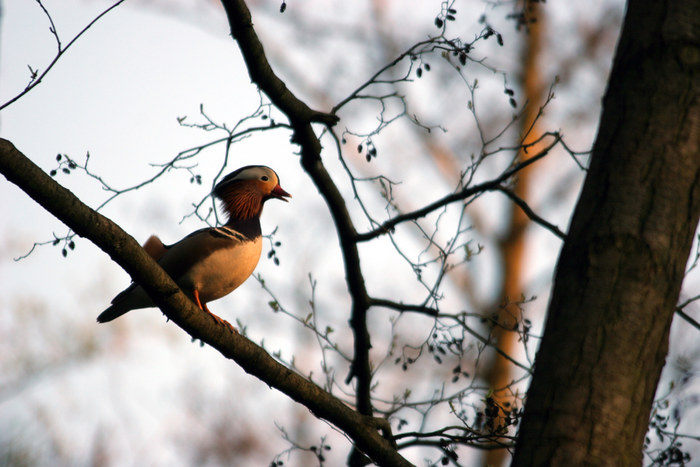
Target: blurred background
(153, 79)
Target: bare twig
(467, 192)
(36, 77)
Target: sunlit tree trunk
(513, 247)
(621, 267)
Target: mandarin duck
(212, 262)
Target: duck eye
(264, 178)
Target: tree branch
(530, 213)
(126, 252)
(301, 117)
(260, 71)
(491, 185)
(37, 78)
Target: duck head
(244, 191)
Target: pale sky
(136, 390)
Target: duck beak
(279, 193)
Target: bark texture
(621, 267)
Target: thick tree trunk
(621, 267)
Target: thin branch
(488, 342)
(686, 317)
(37, 78)
(374, 79)
(530, 213)
(680, 312)
(435, 313)
(466, 192)
(401, 307)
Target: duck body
(213, 275)
(212, 262)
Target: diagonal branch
(260, 71)
(126, 252)
(530, 213)
(680, 311)
(301, 117)
(685, 316)
(491, 185)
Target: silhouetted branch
(37, 77)
(401, 307)
(460, 195)
(530, 213)
(455, 434)
(126, 252)
(680, 311)
(261, 72)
